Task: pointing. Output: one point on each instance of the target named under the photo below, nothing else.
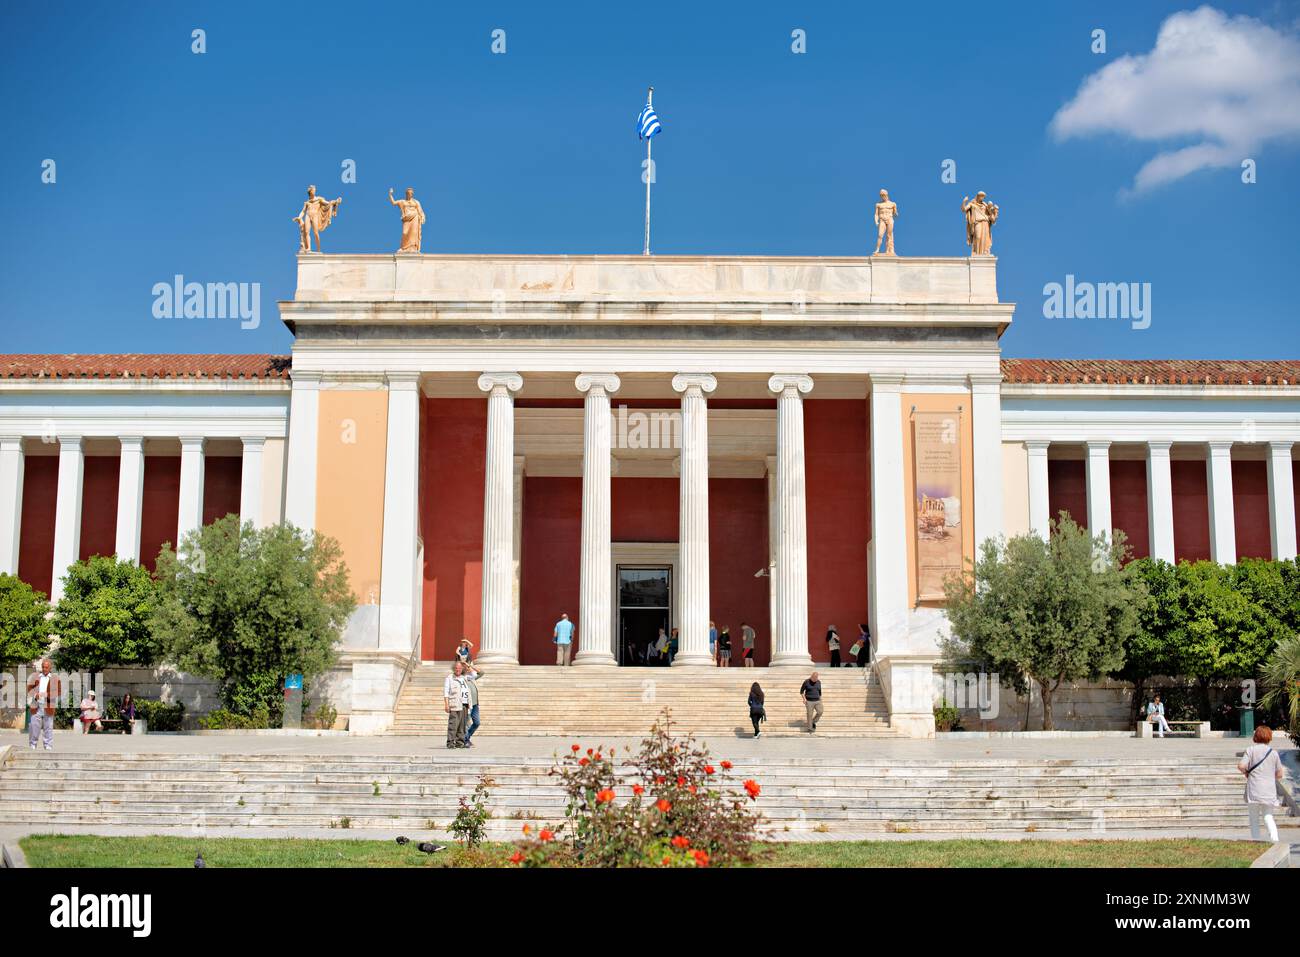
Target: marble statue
(316, 214)
(412, 220)
(980, 217)
(886, 210)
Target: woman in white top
(1263, 769)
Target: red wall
(1191, 510)
(835, 455)
(1067, 490)
(161, 505)
(36, 545)
(549, 581)
(1295, 487)
(737, 549)
(453, 455)
(1128, 504)
(99, 506)
(221, 481)
(1250, 509)
(644, 510)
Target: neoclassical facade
(643, 443)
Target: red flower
(576, 747)
(597, 755)
(583, 762)
(708, 769)
(546, 835)
(663, 806)
(691, 789)
(701, 859)
(681, 782)
(516, 857)
(527, 828)
(590, 752)
(659, 779)
(753, 788)
(605, 796)
(666, 861)
(638, 789)
(680, 841)
(726, 765)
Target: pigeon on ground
(199, 861)
(431, 848)
(403, 840)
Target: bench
(1198, 729)
(111, 726)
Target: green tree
(24, 633)
(1149, 650)
(1281, 673)
(246, 606)
(103, 617)
(1051, 611)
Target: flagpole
(649, 175)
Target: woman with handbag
(1263, 769)
(757, 712)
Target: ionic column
(300, 465)
(1223, 530)
(595, 603)
(1281, 501)
(791, 625)
(1160, 500)
(772, 520)
(1098, 483)
(1040, 509)
(693, 527)
(190, 510)
(67, 510)
(250, 480)
(889, 518)
(986, 429)
(517, 543)
(11, 501)
(498, 644)
(398, 568)
(130, 498)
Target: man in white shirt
(42, 699)
(455, 696)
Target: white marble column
(1040, 508)
(497, 641)
(693, 525)
(1281, 501)
(889, 518)
(250, 480)
(130, 498)
(300, 465)
(398, 570)
(772, 520)
(1098, 484)
(12, 468)
(517, 543)
(1160, 500)
(1223, 529)
(790, 628)
(190, 511)
(595, 602)
(986, 429)
(67, 510)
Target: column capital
(11, 443)
(597, 382)
(1037, 446)
(402, 381)
(71, 442)
(886, 381)
(784, 384)
(1098, 446)
(1220, 446)
(131, 443)
(498, 382)
(1159, 446)
(253, 441)
(193, 443)
(1276, 448)
(688, 382)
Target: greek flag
(647, 124)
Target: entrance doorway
(644, 607)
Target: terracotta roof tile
(141, 366)
(1152, 371)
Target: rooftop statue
(412, 220)
(980, 217)
(316, 214)
(885, 213)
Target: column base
(595, 659)
(792, 660)
(698, 659)
(496, 659)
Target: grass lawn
(52, 850)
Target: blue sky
(171, 162)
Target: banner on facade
(937, 505)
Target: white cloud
(1214, 90)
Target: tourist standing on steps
(563, 638)
(713, 642)
(43, 692)
(811, 692)
(454, 696)
(833, 643)
(747, 637)
(724, 647)
(864, 646)
(471, 677)
(664, 647)
(465, 651)
(757, 712)
(672, 645)
(1263, 769)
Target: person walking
(833, 643)
(43, 691)
(724, 647)
(1263, 769)
(811, 692)
(471, 677)
(757, 713)
(563, 638)
(1156, 715)
(863, 654)
(454, 696)
(747, 637)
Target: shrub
(103, 617)
(322, 717)
(223, 719)
(470, 826)
(683, 810)
(24, 635)
(159, 715)
(946, 717)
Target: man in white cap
(90, 712)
